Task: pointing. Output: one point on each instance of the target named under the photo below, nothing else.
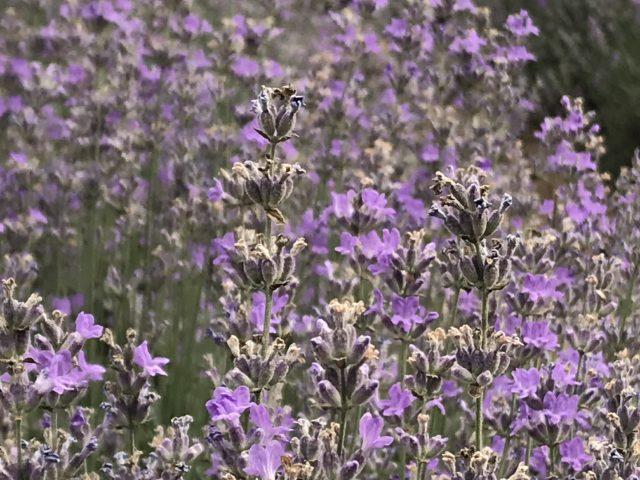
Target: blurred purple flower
(525, 382)
(89, 371)
(573, 454)
(521, 25)
(538, 334)
(399, 400)
(265, 460)
(470, 43)
(86, 326)
(259, 416)
(150, 366)
(228, 404)
(245, 67)
(370, 428)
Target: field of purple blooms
(306, 240)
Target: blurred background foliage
(591, 49)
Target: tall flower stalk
(467, 213)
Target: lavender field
(316, 240)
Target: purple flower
(259, 416)
(407, 312)
(566, 156)
(566, 368)
(63, 304)
(227, 404)
(573, 454)
(376, 204)
(150, 366)
(89, 371)
(19, 158)
(397, 28)
(538, 335)
(542, 287)
(75, 73)
(370, 429)
(517, 53)
(57, 374)
(521, 25)
(399, 400)
(342, 204)
(560, 409)
(264, 460)
(525, 382)
(462, 5)
(348, 244)
(86, 326)
(470, 43)
(216, 192)
(245, 67)
(539, 460)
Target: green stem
(528, 449)
(266, 324)
(507, 442)
(552, 459)
(505, 456)
(54, 428)
(485, 318)
(343, 430)
(343, 411)
(402, 468)
(483, 341)
(425, 471)
(54, 437)
(132, 437)
(454, 307)
(402, 360)
(18, 433)
(627, 302)
(479, 420)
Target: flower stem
(505, 456)
(402, 371)
(266, 324)
(479, 420)
(483, 341)
(54, 437)
(507, 442)
(627, 303)
(343, 411)
(18, 434)
(132, 437)
(454, 307)
(402, 360)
